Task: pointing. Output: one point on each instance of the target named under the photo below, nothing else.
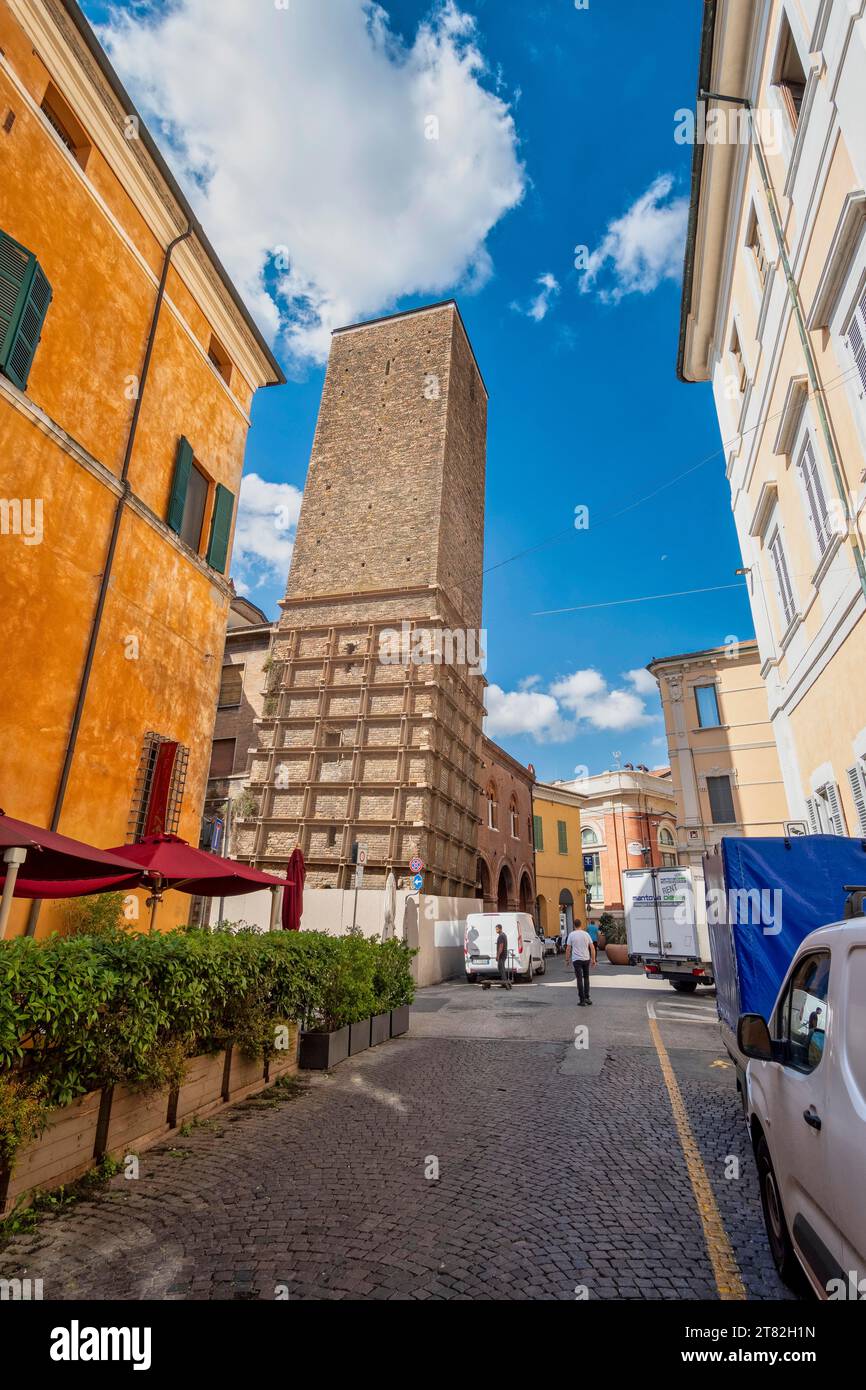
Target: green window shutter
(562, 832)
(539, 832)
(220, 528)
(180, 483)
(25, 295)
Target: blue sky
(568, 129)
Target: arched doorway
(505, 890)
(541, 914)
(566, 906)
(525, 893)
(482, 881)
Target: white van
(806, 1108)
(525, 946)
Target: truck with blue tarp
(764, 896)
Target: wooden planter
(286, 1059)
(62, 1154)
(400, 1020)
(202, 1089)
(359, 1036)
(137, 1117)
(245, 1074)
(380, 1029)
(321, 1051)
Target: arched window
(492, 807)
(514, 819)
(665, 836)
(588, 836)
(667, 847)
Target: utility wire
(644, 598)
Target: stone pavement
(556, 1169)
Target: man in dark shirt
(502, 958)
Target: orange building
(128, 364)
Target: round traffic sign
(418, 882)
(416, 864)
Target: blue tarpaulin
(793, 886)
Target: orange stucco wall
(174, 606)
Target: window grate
(146, 815)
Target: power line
(645, 598)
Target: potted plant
(339, 1022)
(617, 942)
(605, 921)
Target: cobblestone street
(558, 1168)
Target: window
(60, 117)
(332, 837)
(824, 809)
(223, 757)
(790, 77)
(857, 778)
(190, 493)
(514, 820)
(857, 340)
(802, 1021)
(538, 830)
(562, 836)
(592, 877)
(783, 580)
(813, 488)
(332, 738)
(159, 785)
(220, 359)
(667, 846)
(492, 809)
(588, 836)
(721, 800)
(231, 687)
(755, 243)
(25, 295)
(739, 360)
(707, 702)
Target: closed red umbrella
(175, 863)
(293, 893)
(51, 865)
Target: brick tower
(372, 728)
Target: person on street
(502, 958)
(580, 950)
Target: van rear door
(480, 944)
(641, 914)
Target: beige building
(724, 762)
(774, 315)
(373, 734)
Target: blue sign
(418, 882)
(588, 863)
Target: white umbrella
(389, 907)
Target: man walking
(502, 958)
(580, 950)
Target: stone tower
(372, 728)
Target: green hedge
(78, 1013)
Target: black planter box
(380, 1029)
(321, 1051)
(400, 1020)
(359, 1036)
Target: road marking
(722, 1258)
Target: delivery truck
(666, 928)
(764, 896)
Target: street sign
(416, 864)
(359, 875)
(418, 882)
(794, 828)
(635, 847)
(362, 855)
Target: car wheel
(527, 977)
(685, 986)
(786, 1262)
(543, 970)
(471, 979)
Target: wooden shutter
(539, 832)
(857, 340)
(782, 578)
(25, 295)
(231, 686)
(834, 805)
(808, 465)
(180, 483)
(562, 834)
(222, 757)
(220, 528)
(812, 813)
(857, 778)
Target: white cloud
(528, 682)
(264, 533)
(525, 712)
(305, 132)
(643, 681)
(641, 248)
(586, 695)
(538, 308)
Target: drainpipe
(794, 297)
(72, 738)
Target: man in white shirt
(580, 950)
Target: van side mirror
(753, 1037)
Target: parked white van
(525, 946)
(806, 1108)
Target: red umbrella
(177, 864)
(54, 866)
(293, 894)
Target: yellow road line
(725, 1269)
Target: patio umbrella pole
(14, 857)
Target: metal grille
(144, 786)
